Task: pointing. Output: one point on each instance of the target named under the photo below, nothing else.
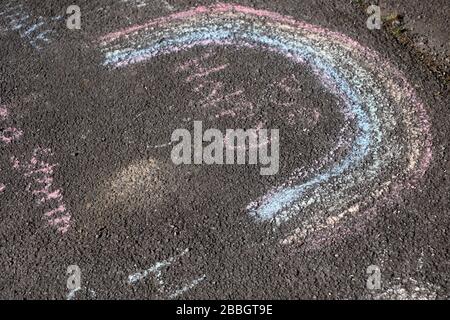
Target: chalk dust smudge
(138, 183)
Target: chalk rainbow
(386, 140)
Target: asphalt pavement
(87, 178)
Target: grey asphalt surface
(426, 23)
(126, 217)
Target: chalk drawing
(217, 98)
(136, 3)
(408, 290)
(204, 72)
(187, 287)
(7, 134)
(390, 150)
(40, 174)
(143, 3)
(160, 146)
(167, 5)
(3, 113)
(288, 87)
(36, 30)
(72, 294)
(156, 271)
(213, 96)
(213, 93)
